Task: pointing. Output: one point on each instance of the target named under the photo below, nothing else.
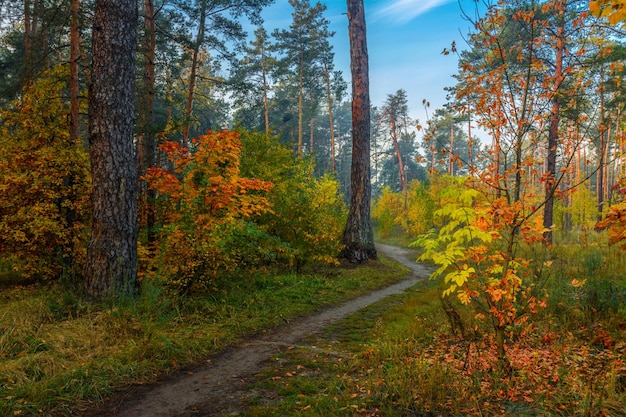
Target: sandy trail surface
(219, 387)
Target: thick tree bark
(358, 235)
(111, 268)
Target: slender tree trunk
(433, 151)
(553, 134)
(28, 42)
(68, 212)
(496, 162)
(396, 145)
(450, 153)
(27, 30)
(148, 144)
(311, 138)
(193, 73)
(266, 109)
(358, 235)
(329, 100)
(74, 60)
(111, 268)
(470, 142)
(601, 153)
(300, 100)
(607, 162)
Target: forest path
(219, 387)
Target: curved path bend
(219, 386)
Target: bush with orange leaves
(202, 196)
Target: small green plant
(476, 253)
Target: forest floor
(222, 385)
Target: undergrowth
(408, 358)
(60, 354)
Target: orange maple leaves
(198, 198)
(206, 179)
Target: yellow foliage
(387, 210)
(613, 10)
(472, 253)
(45, 182)
(414, 214)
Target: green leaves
(474, 254)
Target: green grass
(59, 353)
(398, 357)
(401, 358)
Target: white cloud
(405, 10)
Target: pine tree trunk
(68, 212)
(111, 268)
(193, 73)
(300, 101)
(396, 145)
(266, 110)
(74, 59)
(450, 151)
(601, 154)
(358, 235)
(329, 100)
(553, 134)
(148, 145)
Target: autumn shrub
(45, 182)
(308, 213)
(387, 211)
(476, 249)
(200, 198)
(251, 246)
(581, 211)
(421, 207)
(412, 215)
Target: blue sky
(405, 41)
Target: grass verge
(401, 358)
(59, 354)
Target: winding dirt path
(220, 385)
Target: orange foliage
(615, 222)
(201, 193)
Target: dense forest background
(221, 156)
(539, 89)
